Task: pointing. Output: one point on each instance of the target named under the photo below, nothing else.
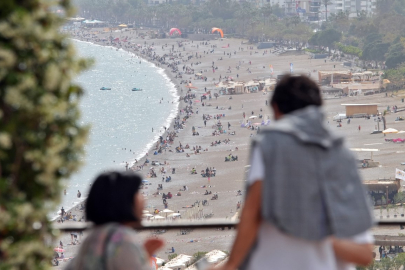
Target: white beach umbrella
(157, 217)
(167, 211)
(147, 215)
(175, 215)
(390, 130)
(159, 261)
(145, 211)
(253, 117)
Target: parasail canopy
(174, 30)
(214, 29)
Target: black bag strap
(105, 246)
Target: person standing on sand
(359, 128)
(327, 224)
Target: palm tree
(326, 3)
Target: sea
(121, 120)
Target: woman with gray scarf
(306, 206)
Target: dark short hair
(296, 92)
(111, 198)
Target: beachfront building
(380, 188)
(359, 109)
(333, 77)
(353, 7)
(331, 91)
(308, 10)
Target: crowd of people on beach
(183, 65)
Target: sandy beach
(230, 176)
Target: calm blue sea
(121, 120)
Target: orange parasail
(214, 29)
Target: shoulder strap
(105, 246)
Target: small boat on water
(136, 89)
(105, 88)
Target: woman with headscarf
(115, 207)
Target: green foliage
(351, 50)
(326, 38)
(385, 264)
(241, 18)
(395, 55)
(374, 48)
(198, 255)
(400, 260)
(399, 197)
(314, 50)
(396, 76)
(389, 264)
(41, 139)
(172, 256)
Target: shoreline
(169, 121)
(230, 175)
(168, 77)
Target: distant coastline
(175, 93)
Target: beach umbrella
(145, 211)
(175, 215)
(390, 130)
(144, 181)
(402, 131)
(59, 249)
(157, 217)
(167, 211)
(253, 117)
(148, 215)
(159, 261)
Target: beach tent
(174, 30)
(218, 30)
(123, 25)
(215, 256)
(181, 261)
(390, 130)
